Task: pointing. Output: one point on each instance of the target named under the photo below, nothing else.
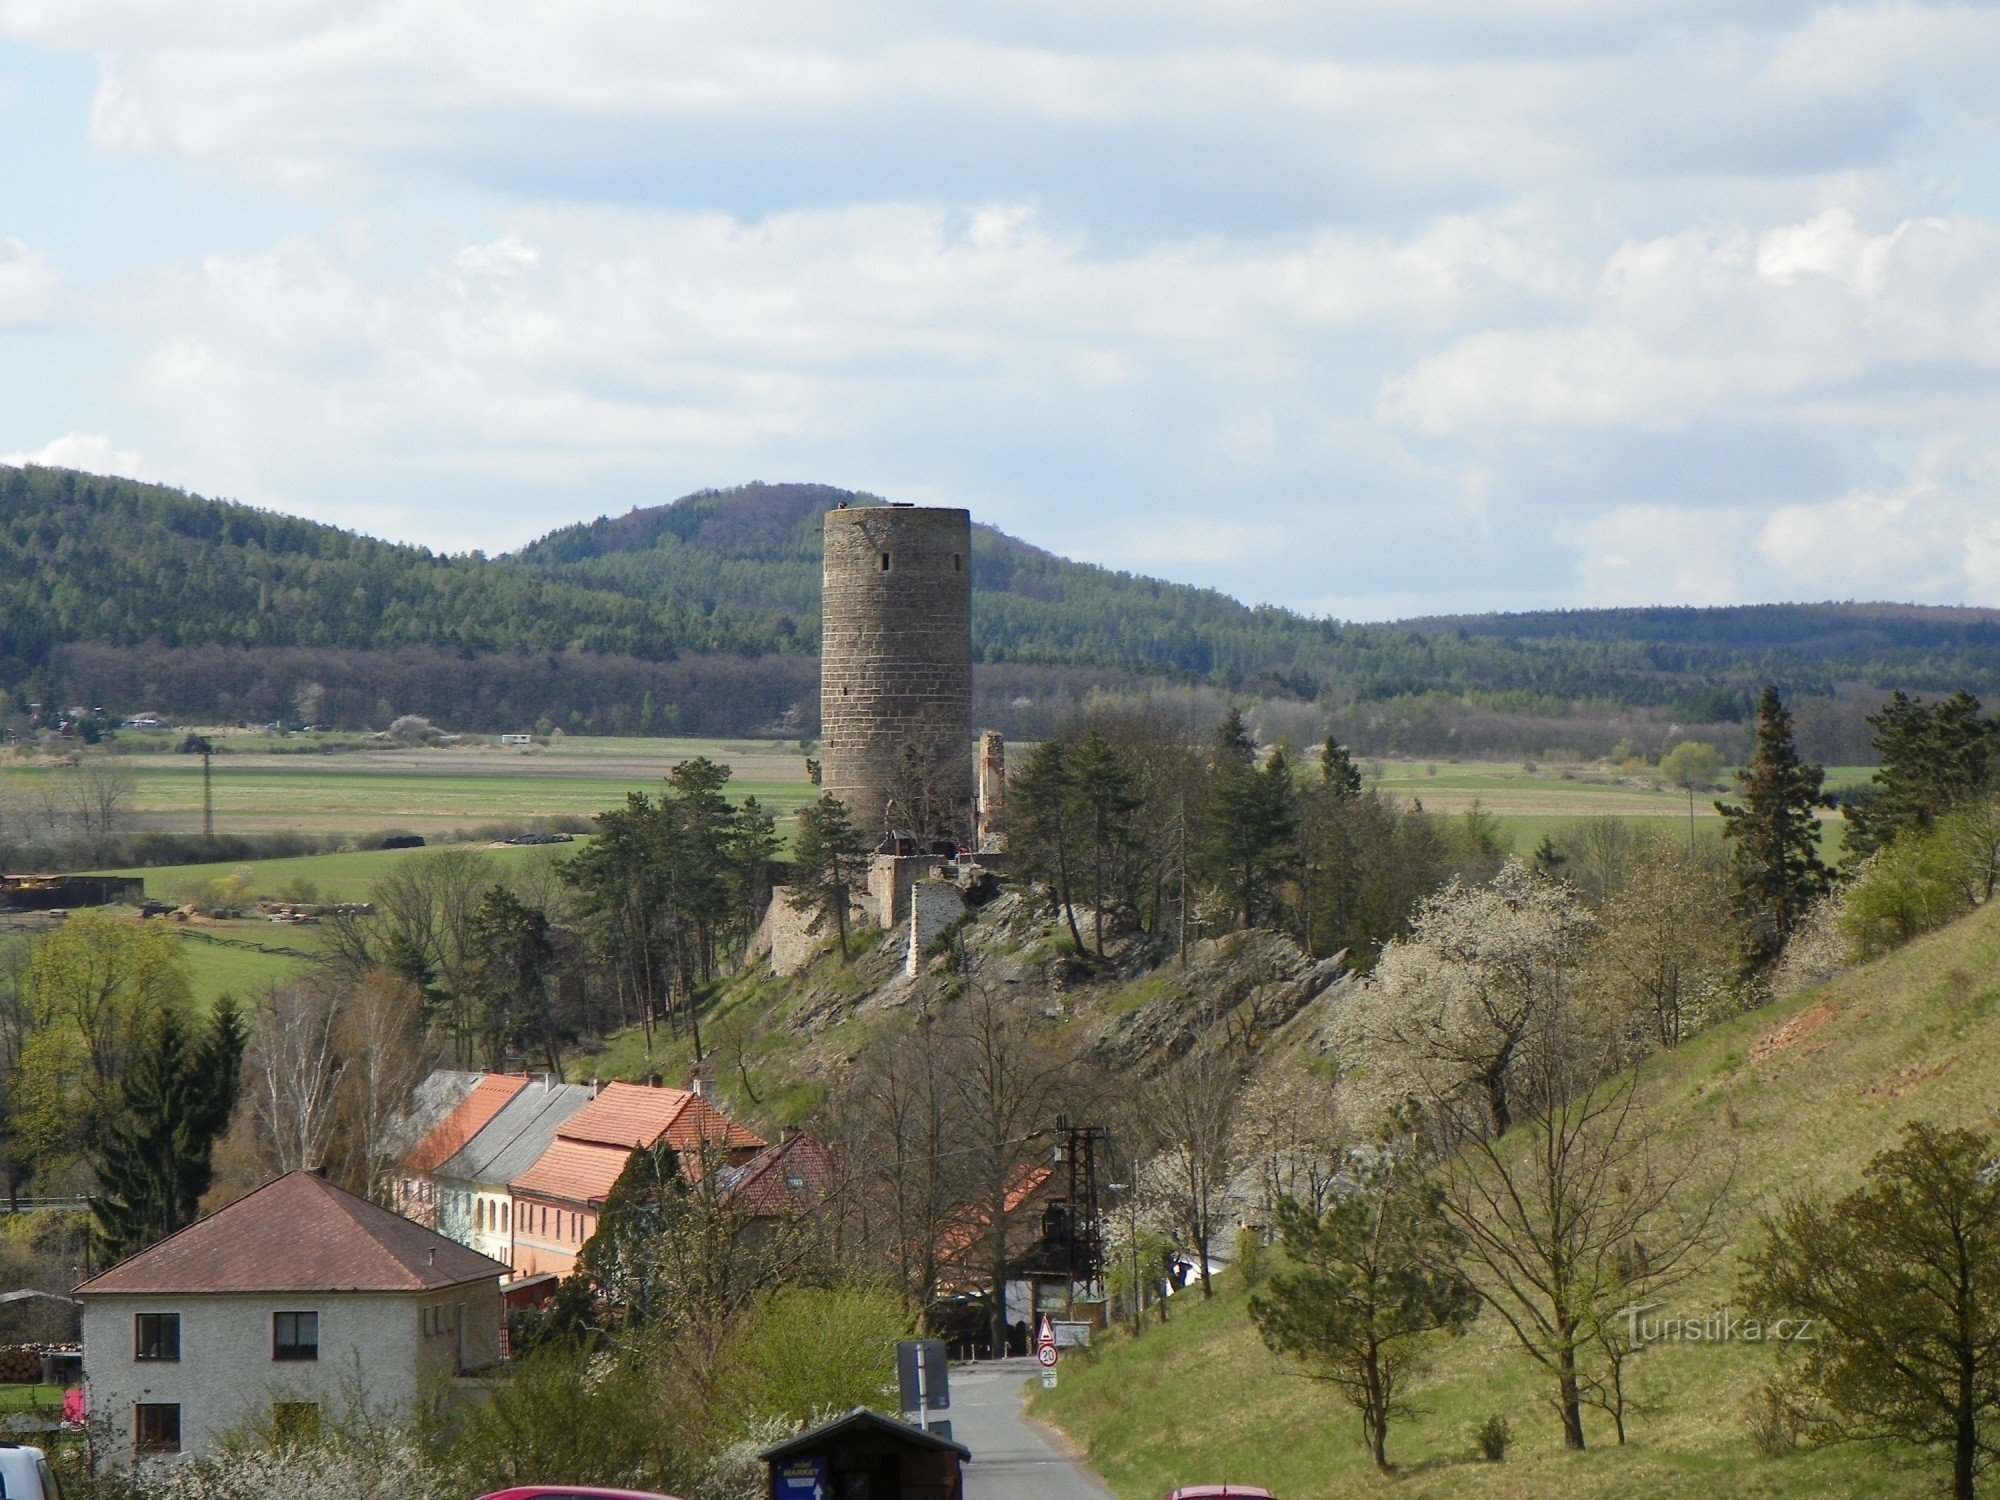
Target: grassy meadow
(1800, 1094)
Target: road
(1011, 1460)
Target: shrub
(1770, 1421)
(1492, 1437)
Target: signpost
(1046, 1351)
(923, 1378)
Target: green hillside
(142, 597)
(1806, 1091)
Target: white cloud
(90, 452)
(29, 283)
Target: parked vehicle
(576, 1492)
(1220, 1492)
(25, 1475)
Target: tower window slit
(885, 562)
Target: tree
(1901, 1279)
(1483, 986)
(826, 864)
(1669, 948)
(1105, 801)
(1935, 757)
(155, 1159)
(1292, 1133)
(1692, 766)
(293, 1071)
(1338, 770)
(513, 954)
(1580, 1212)
(1373, 1280)
(1775, 835)
(1041, 826)
(1190, 1112)
(1251, 820)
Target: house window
(295, 1335)
(156, 1336)
(295, 1421)
(506, 1217)
(156, 1426)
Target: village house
(556, 1202)
(476, 1207)
(279, 1311)
(476, 1099)
(798, 1174)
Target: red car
(1221, 1492)
(570, 1492)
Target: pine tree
(512, 954)
(1251, 820)
(826, 863)
(1041, 826)
(1935, 757)
(1105, 798)
(1775, 831)
(156, 1159)
(1338, 770)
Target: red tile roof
(576, 1171)
(632, 1114)
(456, 1130)
(593, 1145)
(297, 1233)
(762, 1187)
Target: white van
(25, 1474)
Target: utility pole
(198, 744)
(1084, 1232)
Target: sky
(1367, 310)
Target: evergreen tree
(1338, 770)
(1935, 757)
(1041, 825)
(155, 1160)
(826, 863)
(1105, 799)
(1251, 821)
(513, 953)
(1370, 1281)
(1775, 833)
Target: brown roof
(593, 1145)
(488, 1097)
(632, 1115)
(297, 1233)
(762, 1187)
(577, 1171)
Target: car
(24, 1474)
(1221, 1492)
(570, 1492)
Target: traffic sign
(1047, 1355)
(1049, 1379)
(1045, 1333)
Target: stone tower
(896, 670)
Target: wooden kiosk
(866, 1456)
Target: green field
(335, 877)
(260, 789)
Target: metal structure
(896, 672)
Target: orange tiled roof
(456, 1130)
(575, 1171)
(632, 1115)
(297, 1234)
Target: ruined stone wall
(896, 669)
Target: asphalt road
(1011, 1460)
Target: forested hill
(141, 596)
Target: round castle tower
(896, 670)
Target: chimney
(652, 1080)
(698, 1086)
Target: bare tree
(1580, 1214)
(1191, 1113)
(1011, 1076)
(293, 1075)
(101, 791)
(382, 1035)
